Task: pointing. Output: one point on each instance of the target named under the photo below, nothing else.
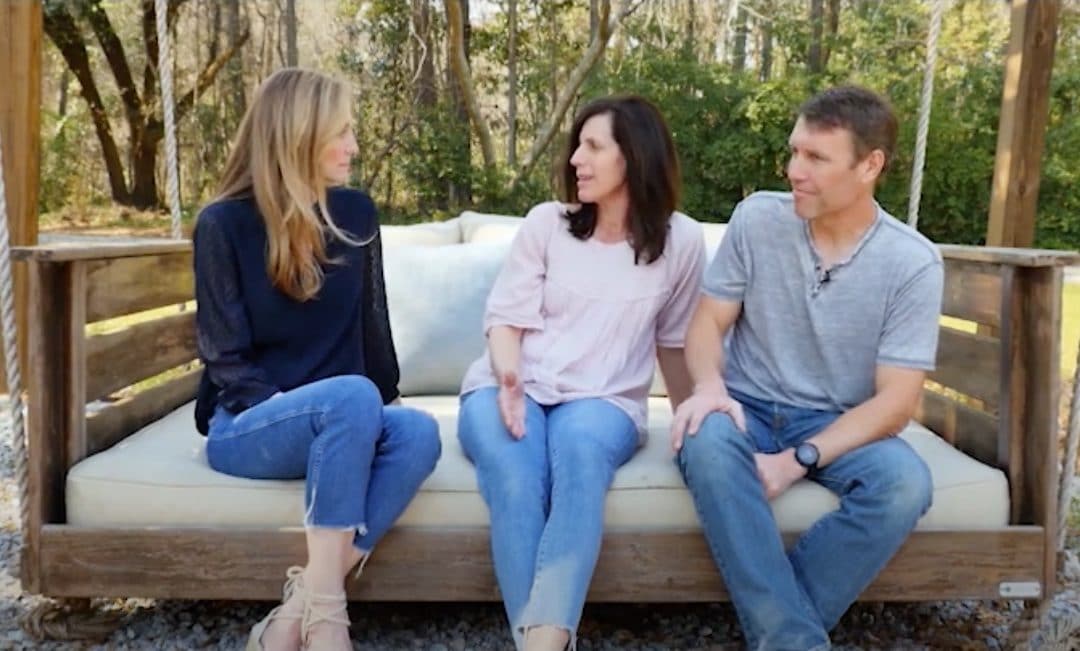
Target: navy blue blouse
(255, 340)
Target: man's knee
(711, 452)
(903, 481)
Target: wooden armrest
(65, 248)
(1010, 256)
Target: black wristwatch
(808, 456)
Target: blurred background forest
(465, 104)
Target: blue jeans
(789, 600)
(545, 493)
(363, 462)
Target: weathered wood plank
(112, 424)
(20, 133)
(454, 565)
(75, 384)
(1016, 257)
(972, 431)
(127, 285)
(1022, 124)
(52, 365)
(118, 359)
(970, 364)
(100, 250)
(972, 292)
(1038, 436)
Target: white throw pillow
(485, 227)
(425, 234)
(436, 297)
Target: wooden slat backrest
(120, 358)
(127, 285)
(961, 401)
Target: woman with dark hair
(592, 291)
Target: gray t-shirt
(811, 339)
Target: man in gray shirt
(830, 310)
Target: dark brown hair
(867, 115)
(652, 172)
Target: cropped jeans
(788, 600)
(362, 462)
(545, 493)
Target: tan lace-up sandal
(322, 609)
(294, 582)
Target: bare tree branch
(111, 45)
(459, 65)
(62, 29)
(209, 73)
(608, 24)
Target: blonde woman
(300, 368)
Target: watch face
(807, 455)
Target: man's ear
(872, 166)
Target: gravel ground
(148, 624)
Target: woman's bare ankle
(331, 636)
(546, 638)
(282, 635)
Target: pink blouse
(592, 319)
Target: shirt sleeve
(729, 273)
(380, 357)
(674, 317)
(223, 334)
(517, 294)
(912, 321)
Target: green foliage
(420, 159)
(64, 166)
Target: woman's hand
(512, 403)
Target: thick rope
(1068, 462)
(165, 78)
(924, 113)
(69, 620)
(11, 360)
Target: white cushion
(713, 234)
(484, 227)
(159, 477)
(426, 234)
(436, 297)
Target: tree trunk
(738, 55)
(423, 54)
(292, 57)
(141, 110)
(690, 44)
(234, 75)
(511, 83)
(462, 93)
(814, 58)
(144, 193)
(64, 32)
(834, 29)
(65, 82)
(594, 18)
(765, 71)
(593, 54)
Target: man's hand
(512, 403)
(778, 471)
(692, 412)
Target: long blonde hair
(293, 117)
